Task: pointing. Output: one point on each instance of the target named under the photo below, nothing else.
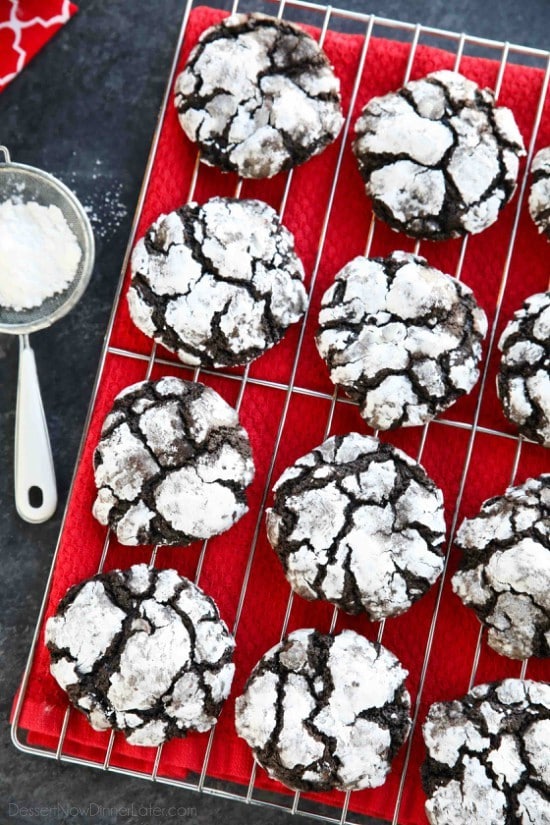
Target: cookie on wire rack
(360, 524)
(539, 196)
(523, 380)
(438, 157)
(218, 284)
(324, 711)
(504, 575)
(172, 464)
(142, 651)
(401, 338)
(258, 95)
(489, 755)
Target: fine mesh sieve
(21, 184)
(35, 488)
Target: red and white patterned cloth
(25, 27)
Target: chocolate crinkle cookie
(401, 338)
(439, 159)
(172, 464)
(218, 284)
(360, 524)
(539, 197)
(142, 651)
(488, 759)
(523, 381)
(258, 95)
(505, 571)
(323, 711)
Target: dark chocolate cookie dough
(172, 464)
(323, 711)
(401, 338)
(523, 381)
(258, 95)
(359, 523)
(505, 572)
(218, 284)
(438, 157)
(142, 651)
(488, 757)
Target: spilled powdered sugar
(103, 201)
(106, 211)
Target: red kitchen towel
(468, 470)
(25, 27)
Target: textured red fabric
(25, 27)
(445, 451)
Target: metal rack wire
(329, 18)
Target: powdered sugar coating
(505, 572)
(438, 158)
(323, 711)
(539, 196)
(401, 338)
(143, 651)
(523, 381)
(489, 756)
(358, 523)
(172, 464)
(258, 95)
(218, 284)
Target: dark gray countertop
(85, 110)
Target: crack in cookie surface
(523, 381)
(172, 464)
(324, 711)
(489, 756)
(539, 196)
(401, 338)
(360, 524)
(439, 159)
(504, 575)
(259, 96)
(218, 284)
(142, 651)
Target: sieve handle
(35, 488)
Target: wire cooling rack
(341, 20)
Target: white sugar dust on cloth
(39, 254)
